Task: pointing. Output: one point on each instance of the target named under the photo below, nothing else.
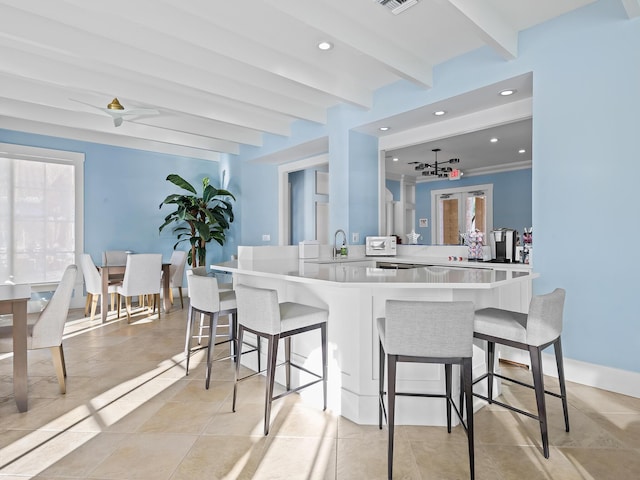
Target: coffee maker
(503, 245)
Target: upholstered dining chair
(93, 285)
(176, 270)
(46, 331)
(114, 257)
(142, 276)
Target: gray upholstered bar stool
(222, 287)
(533, 332)
(427, 332)
(261, 314)
(206, 300)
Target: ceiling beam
(489, 26)
(397, 59)
(104, 124)
(40, 128)
(121, 59)
(186, 26)
(94, 77)
(632, 7)
(32, 91)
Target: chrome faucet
(336, 250)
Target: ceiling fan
(118, 113)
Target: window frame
(48, 155)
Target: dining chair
(142, 276)
(93, 285)
(115, 257)
(46, 331)
(176, 270)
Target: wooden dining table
(107, 270)
(13, 301)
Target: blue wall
(586, 75)
(123, 189)
(586, 101)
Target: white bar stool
(427, 332)
(261, 314)
(207, 300)
(533, 332)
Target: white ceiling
(223, 73)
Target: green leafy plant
(199, 219)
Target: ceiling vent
(397, 6)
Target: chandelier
(435, 169)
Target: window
(40, 213)
(460, 210)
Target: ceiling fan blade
(88, 104)
(140, 111)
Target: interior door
(449, 214)
(459, 213)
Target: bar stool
(207, 300)
(533, 332)
(262, 315)
(222, 287)
(427, 332)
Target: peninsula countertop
(362, 273)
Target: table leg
(166, 282)
(104, 298)
(20, 378)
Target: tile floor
(130, 413)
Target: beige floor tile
(448, 461)
(145, 456)
(518, 463)
(604, 463)
(181, 417)
(290, 458)
(359, 458)
(44, 450)
(223, 457)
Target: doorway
(311, 164)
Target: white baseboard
(592, 375)
(584, 373)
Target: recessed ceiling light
(384, 129)
(395, 159)
(506, 93)
(439, 113)
(325, 45)
(493, 140)
(522, 150)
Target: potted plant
(199, 219)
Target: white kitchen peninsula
(354, 291)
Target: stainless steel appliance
(503, 245)
(380, 246)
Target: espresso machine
(503, 245)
